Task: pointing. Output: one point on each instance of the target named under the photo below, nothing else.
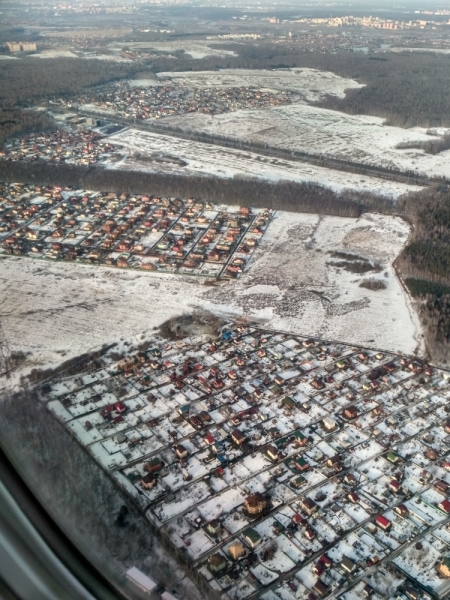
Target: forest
(425, 264)
(27, 81)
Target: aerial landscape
(225, 292)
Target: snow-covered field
(436, 50)
(57, 311)
(310, 84)
(146, 152)
(316, 130)
(193, 48)
(64, 53)
(55, 53)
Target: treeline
(29, 80)
(425, 264)
(14, 121)
(410, 89)
(282, 195)
(432, 147)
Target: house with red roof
(382, 522)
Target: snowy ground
(65, 53)
(56, 53)
(435, 50)
(315, 130)
(56, 311)
(310, 84)
(156, 151)
(193, 48)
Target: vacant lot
(315, 130)
(57, 311)
(151, 152)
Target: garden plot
(418, 562)
(183, 501)
(311, 84)
(155, 153)
(303, 128)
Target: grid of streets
(129, 231)
(280, 466)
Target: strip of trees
(282, 195)
(425, 265)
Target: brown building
(309, 506)
(216, 563)
(351, 412)
(238, 437)
(255, 504)
(181, 451)
(148, 481)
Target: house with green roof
(252, 537)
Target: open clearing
(300, 127)
(310, 84)
(154, 153)
(193, 48)
(57, 311)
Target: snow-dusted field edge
(56, 311)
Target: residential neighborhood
(269, 485)
(63, 146)
(129, 231)
(163, 100)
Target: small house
(348, 565)
(382, 522)
(148, 481)
(155, 464)
(214, 527)
(443, 568)
(181, 451)
(353, 497)
(321, 589)
(351, 412)
(394, 485)
(236, 550)
(401, 510)
(273, 453)
(329, 424)
(238, 437)
(217, 563)
(252, 537)
(309, 506)
(445, 506)
(300, 439)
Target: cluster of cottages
(84, 147)
(125, 230)
(280, 466)
(165, 100)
